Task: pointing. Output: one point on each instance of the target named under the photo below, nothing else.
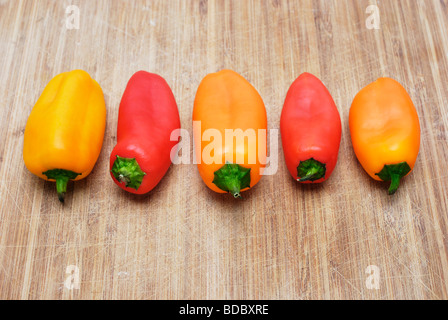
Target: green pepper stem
(309, 175)
(62, 178)
(128, 170)
(395, 183)
(393, 173)
(232, 178)
(61, 187)
(310, 170)
(234, 187)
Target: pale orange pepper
(385, 131)
(227, 101)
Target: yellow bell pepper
(65, 130)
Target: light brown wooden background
(183, 241)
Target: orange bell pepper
(228, 104)
(385, 131)
(64, 132)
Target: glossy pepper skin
(225, 100)
(310, 127)
(65, 130)
(147, 116)
(385, 131)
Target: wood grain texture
(284, 241)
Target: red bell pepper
(148, 114)
(310, 127)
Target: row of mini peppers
(65, 131)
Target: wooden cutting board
(283, 241)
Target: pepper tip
(237, 195)
(61, 196)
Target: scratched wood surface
(182, 241)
